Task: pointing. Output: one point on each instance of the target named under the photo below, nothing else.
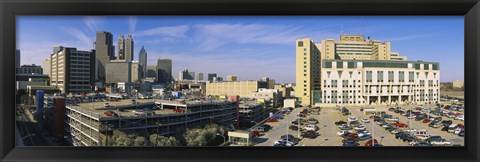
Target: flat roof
(98, 108)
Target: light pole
(298, 130)
(373, 129)
(410, 119)
(218, 134)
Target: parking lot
(328, 129)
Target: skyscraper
(186, 75)
(121, 48)
(164, 71)
(65, 67)
(232, 78)
(129, 48)
(47, 64)
(211, 76)
(200, 76)
(104, 52)
(142, 59)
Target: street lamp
(218, 134)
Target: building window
(300, 44)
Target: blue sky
(249, 47)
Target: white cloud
(172, 31)
(85, 40)
(34, 52)
(212, 36)
(95, 23)
(132, 23)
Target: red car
(401, 125)
(178, 110)
(426, 120)
(370, 143)
(272, 120)
(350, 135)
(109, 113)
(461, 126)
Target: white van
(452, 128)
(312, 127)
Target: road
(279, 129)
(27, 125)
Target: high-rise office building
(125, 48)
(186, 75)
(353, 71)
(307, 69)
(104, 52)
(355, 47)
(73, 71)
(231, 78)
(164, 71)
(211, 76)
(118, 71)
(121, 48)
(142, 59)
(17, 58)
(200, 76)
(47, 66)
(135, 71)
(129, 48)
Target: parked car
(301, 115)
(352, 119)
(447, 122)
(110, 113)
(423, 144)
(440, 142)
(283, 143)
(445, 128)
(371, 143)
(457, 131)
(310, 134)
(401, 125)
(311, 127)
(341, 122)
(345, 127)
(461, 117)
(426, 120)
(360, 127)
(342, 132)
(299, 121)
(365, 137)
(293, 127)
(289, 137)
(312, 120)
(271, 120)
(350, 143)
(365, 120)
(437, 125)
(461, 133)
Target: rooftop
(99, 108)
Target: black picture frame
(9, 9)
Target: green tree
(163, 141)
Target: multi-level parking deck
(89, 122)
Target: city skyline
(226, 45)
